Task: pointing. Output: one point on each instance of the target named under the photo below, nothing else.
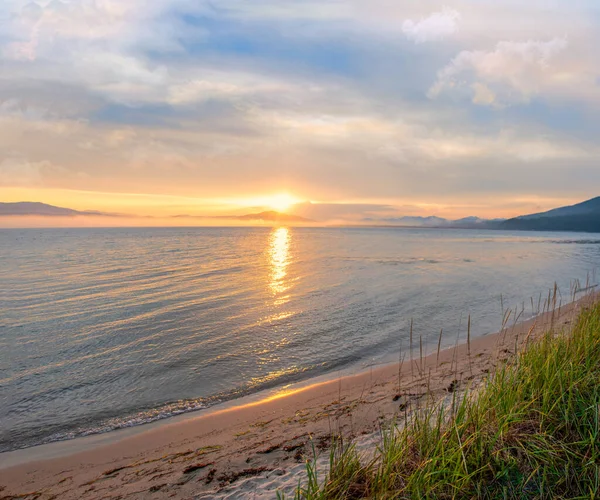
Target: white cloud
(437, 26)
(517, 144)
(513, 72)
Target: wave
(181, 407)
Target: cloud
(326, 99)
(483, 95)
(437, 26)
(22, 172)
(512, 73)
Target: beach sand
(252, 450)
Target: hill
(41, 209)
(584, 217)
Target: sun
(280, 202)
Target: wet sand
(214, 453)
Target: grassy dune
(531, 431)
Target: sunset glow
(281, 202)
(210, 202)
(278, 202)
(473, 115)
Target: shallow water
(106, 328)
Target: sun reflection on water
(279, 253)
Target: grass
(532, 431)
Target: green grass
(531, 431)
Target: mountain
(42, 209)
(588, 207)
(584, 217)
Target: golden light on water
(279, 255)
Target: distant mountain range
(42, 209)
(584, 217)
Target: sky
(366, 109)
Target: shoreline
(64, 447)
(82, 442)
(198, 453)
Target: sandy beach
(251, 450)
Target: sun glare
(280, 202)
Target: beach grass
(531, 430)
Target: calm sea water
(106, 328)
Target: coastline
(202, 453)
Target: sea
(102, 329)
